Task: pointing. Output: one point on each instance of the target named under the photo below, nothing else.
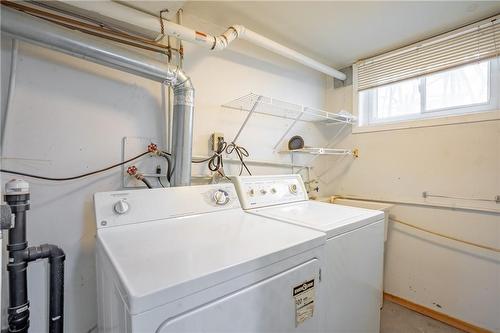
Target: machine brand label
(304, 295)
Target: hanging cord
(162, 27)
(216, 161)
(241, 152)
(446, 236)
(74, 177)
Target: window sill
(430, 122)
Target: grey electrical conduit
(34, 30)
(10, 93)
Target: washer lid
(160, 261)
(329, 218)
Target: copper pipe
(93, 30)
(115, 39)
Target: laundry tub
(385, 207)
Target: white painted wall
(461, 160)
(69, 116)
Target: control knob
(221, 197)
(293, 188)
(121, 207)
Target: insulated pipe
(132, 20)
(38, 31)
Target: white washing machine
(189, 259)
(353, 268)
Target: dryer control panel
(262, 191)
(135, 206)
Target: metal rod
(289, 129)
(426, 194)
(416, 203)
(255, 162)
(247, 118)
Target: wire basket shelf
(286, 110)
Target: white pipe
(131, 19)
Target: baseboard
(457, 323)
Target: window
(455, 73)
(465, 89)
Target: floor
(397, 319)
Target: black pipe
(19, 257)
(56, 258)
(18, 312)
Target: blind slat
(486, 42)
(436, 61)
(451, 50)
(487, 32)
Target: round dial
(293, 188)
(121, 207)
(221, 197)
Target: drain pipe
(120, 15)
(17, 197)
(40, 32)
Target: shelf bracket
(288, 129)
(254, 107)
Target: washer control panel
(261, 191)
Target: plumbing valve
(153, 148)
(134, 172)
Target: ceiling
(338, 33)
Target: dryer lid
(329, 218)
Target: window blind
(470, 44)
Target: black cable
(216, 161)
(148, 184)
(167, 157)
(74, 177)
(159, 181)
(241, 152)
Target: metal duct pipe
(40, 32)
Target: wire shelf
(323, 151)
(281, 109)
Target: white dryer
(189, 259)
(353, 268)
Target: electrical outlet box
(215, 139)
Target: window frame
(489, 110)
